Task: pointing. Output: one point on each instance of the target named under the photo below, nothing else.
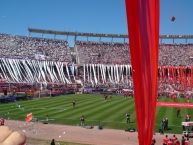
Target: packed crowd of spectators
(102, 52)
(118, 53)
(176, 54)
(20, 47)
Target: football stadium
(83, 88)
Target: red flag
(143, 26)
(29, 117)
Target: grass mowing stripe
(92, 114)
(78, 112)
(16, 111)
(98, 109)
(29, 104)
(77, 118)
(110, 120)
(51, 105)
(50, 111)
(124, 110)
(72, 111)
(91, 121)
(44, 101)
(44, 113)
(114, 111)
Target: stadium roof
(66, 33)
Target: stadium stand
(118, 53)
(88, 52)
(176, 54)
(102, 52)
(21, 47)
(83, 52)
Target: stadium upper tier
(118, 53)
(20, 47)
(102, 52)
(87, 52)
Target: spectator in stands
(5, 92)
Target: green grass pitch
(110, 114)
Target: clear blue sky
(100, 16)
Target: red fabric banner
(143, 26)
